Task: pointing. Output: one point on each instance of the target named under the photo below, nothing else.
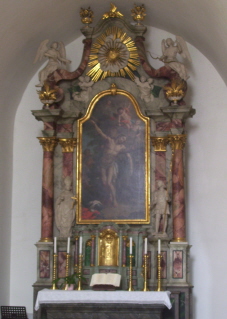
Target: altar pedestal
(101, 304)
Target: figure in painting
(170, 49)
(161, 207)
(65, 212)
(56, 55)
(145, 87)
(123, 117)
(109, 169)
(86, 87)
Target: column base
(46, 239)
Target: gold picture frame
(113, 161)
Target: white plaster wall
(206, 185)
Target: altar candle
(159, 246)
(55, 245)
(80, 249)
(130, 246)
(145, 247)
(68, 245)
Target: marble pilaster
(48, 144)
(68, 145)
(177, 143)
(159, 144)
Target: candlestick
(159, 246)
(130, 246)
(130, 288)
(80, 249)
(145, 288)
(159, 257)
(55, 245)
(68, 245)
(54, 276)
(80, 272)
(67, 269)
(145, 247)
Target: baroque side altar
(113, 141)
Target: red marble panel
(44, 264)
(166, 126)
(64, 128)
(49, 126)
(178, 264)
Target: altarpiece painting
(113, 164)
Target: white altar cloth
(90, 296)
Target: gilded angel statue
(170, 49)
(56, 57)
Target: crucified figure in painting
(109, 168)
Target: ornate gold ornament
(159, 143)
(47, 96)
(175, 91)
(86, 15)
(177, 142)
(113, 13)
(138, 13)
(48, 143)
(67, 144)
(113, 54)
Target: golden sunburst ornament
(113, 54)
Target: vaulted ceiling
(25, 23)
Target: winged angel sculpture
(170, 49)
(56, 55)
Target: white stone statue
(170, 49)
(86, 86)
(64, 209)
(161, 207)
(56, 55)
(145, 87)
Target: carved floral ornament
(113, 54)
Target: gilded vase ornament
(113, 13)
(175, 91)
(86, 15)
(113, 54)
(138, 13)
(47, 95)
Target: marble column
(68, 145)
(48, 144)
(177, 143)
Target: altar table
(88, 304)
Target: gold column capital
(67, 144)
(48, 143)
(159, 143)
(177, 142)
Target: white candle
(55, 245)
(68, 245)
(145, 247)
(159, 246)
(130, 246)
(80, 248)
